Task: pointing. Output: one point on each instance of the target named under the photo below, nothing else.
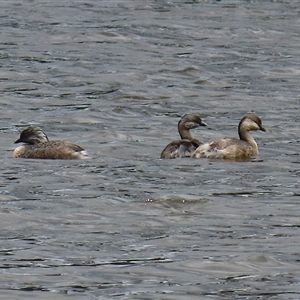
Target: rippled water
(115, 77)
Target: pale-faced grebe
(186, 146)
(37, 145)
(232, 148)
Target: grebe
(187, 145)
(232, 148)
(37, 145)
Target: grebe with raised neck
(233, 148)
(187, 145)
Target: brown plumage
(37, 145)
(232, 148)
(186, 146)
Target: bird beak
(263, 129)
(203, 124)
(17, 141)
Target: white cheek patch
(250, 125)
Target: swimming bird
(233, 148)
(37, 145)
(187, 144)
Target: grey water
(115, 77)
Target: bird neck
(247, 137)
(184, 132)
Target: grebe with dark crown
(37, 145)
(187, 145)
(233, 148)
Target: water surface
(115, 77)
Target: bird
(186, 146)
(37, 145)
(233, 148)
